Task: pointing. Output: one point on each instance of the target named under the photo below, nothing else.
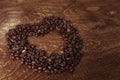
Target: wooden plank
(98, 23)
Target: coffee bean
(20, 48)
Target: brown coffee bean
(20, 48)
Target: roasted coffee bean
(20, 48)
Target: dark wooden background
(98, 22)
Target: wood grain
(98, 22)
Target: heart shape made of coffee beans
(20, 48)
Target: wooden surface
(98, 22)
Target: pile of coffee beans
(20, 48)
